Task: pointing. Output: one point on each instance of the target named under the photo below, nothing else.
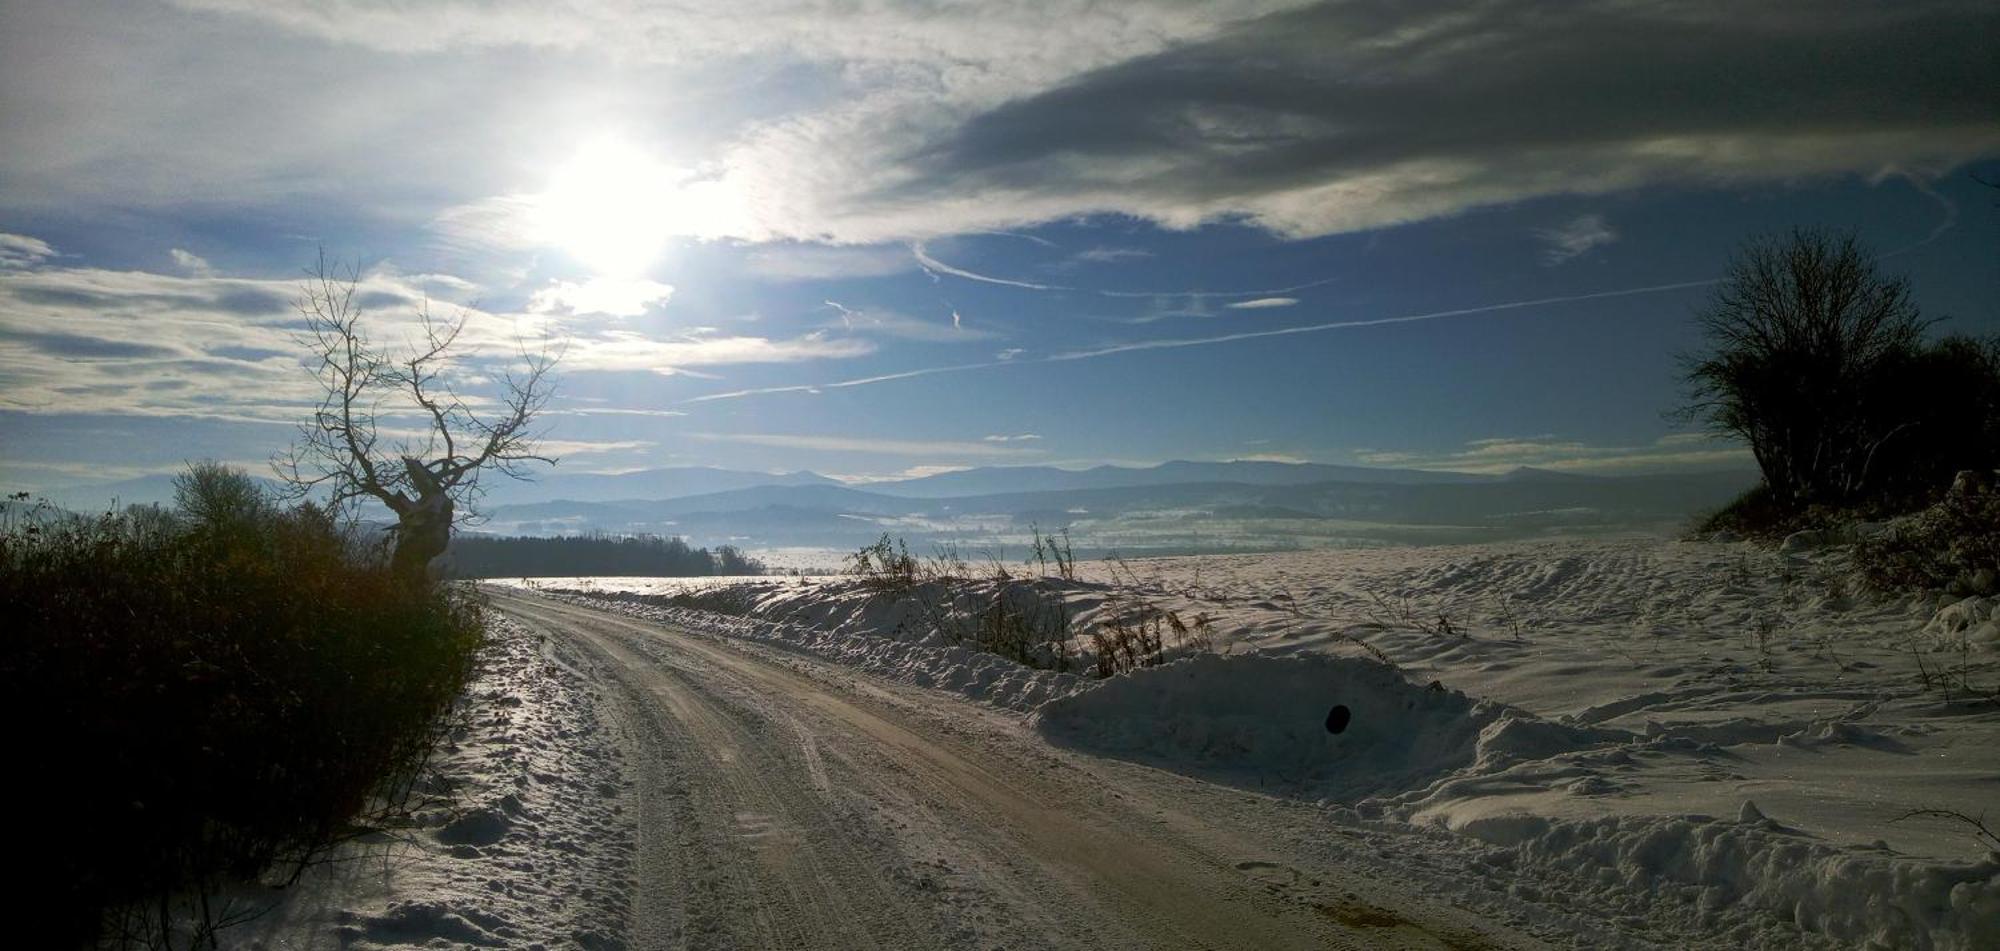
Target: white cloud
(585, 447)
(190, 262)
(913, 472)
(21, 251)
(1106, 255)
(1263, 303)
(865, 444)
(1019, 437)
(623, 350)
(812, 262)
(615, 297)
(1580, 235)
(615, 411)
(222, 347)
(1675, 451)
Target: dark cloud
(240, 301)
(381, 300)
(63, 297)
(251, 302)
(251, 354)
(75, 347)
(1497, 101)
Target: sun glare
(610, 207)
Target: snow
(527, 841)
(839, 620)
(1731, 734)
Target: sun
(611, 207)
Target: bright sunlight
(610, 206)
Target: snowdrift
(1336, 727)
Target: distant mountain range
(1175, 506)
(1278, 511)
(994, 479)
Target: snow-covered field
(1712, 729)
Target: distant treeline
(483, 556)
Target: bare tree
(427, 472)
(1802, 330)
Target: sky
(875, 238)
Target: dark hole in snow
(1336, 718)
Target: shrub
(1945, 546)
(1819, 364)
(211, 696)
(885, 566)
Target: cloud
(584, 447)
(818, 262)
(913, 472)
(77, 340)
(190, 262)
(1263, 303)
(615, 411)
(21, 251)
(1019, 437)
(77, 347)
(1346, 116)
(890, 323)
(612, 297)
(863, 444)
(624, 351)
(1107, 255)
(1675, 451)
(827, 122)
(1578, 236)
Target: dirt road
(783, 803)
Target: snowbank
(1334, 727)
(1863, 896)
(878, 635)
(1419, 752)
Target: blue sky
(888, 238)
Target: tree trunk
(423, 529)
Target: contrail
(1376, 322)
(1950, 214)
(1176, 343)
(935, 267)
(1266, 292)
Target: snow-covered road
(783, 802)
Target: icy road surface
(782, 802)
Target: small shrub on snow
(886, 565)
(1953, 545)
